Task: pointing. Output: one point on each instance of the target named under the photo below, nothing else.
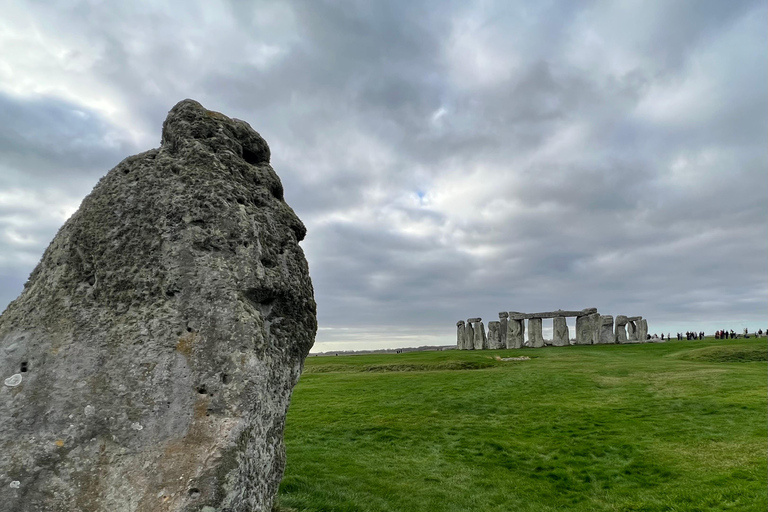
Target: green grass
(652, 427)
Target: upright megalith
(515, 334)
(560, 335)
(460, 335)
(503, 321)
(535, 334)
(632, 332)
(642, 330)
(150, 359)
(494, 339)
(469, 336)
(605, 334)
(480, 341)
(586, 328)
(620, 329)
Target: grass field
(678, 426)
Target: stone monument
(148, 363)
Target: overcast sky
(450, 159)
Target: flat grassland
(677, 426)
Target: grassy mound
(726, 354)
(399, 367)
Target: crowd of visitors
(722, 334)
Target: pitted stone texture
(494, 338)
(535, 335)
(560, 336)
(160, 335)
(605, 334)
(460, 335)
(515, 334)
(586, 329)
(620, 329)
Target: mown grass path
(651, 427)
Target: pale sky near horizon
(450, 159)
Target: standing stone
(159, 338)
(535, 335)
(632, 332)
(560, 335)
(605, 333)
(621, 329)
(460, 335)
(586, 328)
(481, 342)
(642, 330)
(515, 333)
(494, 340)
(503, 321)
(469, 337)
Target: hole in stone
(276, 189)
(246, 244)
(189, 329)
(194, 493)
(201, 390)
(226, 378)
(23, 367)
(240, 200)
(268, 262)
(251, 157)
(91, 280)
(208, 412)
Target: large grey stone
(503, 321)
(642, 330)
(560, 335)
(605, 334)
(469, 337)
(551, 314)
(632, 332)
(535, 335)
(515, 333)
(620, 329)
(160, 336)
(481, 342)
(586, 328)
(494, 339)
(474, 320)
(460, 335)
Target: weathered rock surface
(535, 334)
(481, 342)
(586, 329)
(621, 329)
(469, 337)
(605, 330)
(460, 337)
(159, 339)
(515, 334)
(560, 336)
(503, 321)
(494, 338)
(632, 332)
(515, 315)
(642, 330)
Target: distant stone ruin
(592, 328)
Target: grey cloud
(348, 105)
